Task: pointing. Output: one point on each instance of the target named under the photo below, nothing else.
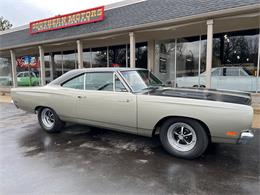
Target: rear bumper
(246, 136)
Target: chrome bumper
(245, 137)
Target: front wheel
(49, 120)
(184, 138)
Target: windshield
(141, 79)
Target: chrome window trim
(84, 81)
(114, 81)
(125, 82)
(122, 80)
(129, 86)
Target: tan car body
(134, 112)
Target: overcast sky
(20, 12)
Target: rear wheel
(183, 137)
(49, 120)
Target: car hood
(204, 94)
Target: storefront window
(86, 58)
(234, 63)
(28, 70)
(235, 57)
(58, 64)
(141, 55)
(47, 61)
(181, 64)
(165, 61)
(63, 62)
(117, 56)
(99, 57)
(5, 71)
(69, 61)
(187, 65)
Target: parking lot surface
(80, 161)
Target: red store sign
(68, 20)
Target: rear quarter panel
(28, 98)
(218, 116)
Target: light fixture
(238, 57)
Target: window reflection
(141, 55)
(86, 58)
(5, 71)
(64, 62)
(117, 56)
(69, 61)
(28, 70)
(58, 64)
(234, 63)
(188, 61)
(235, 53)
(165, 59)
(99, 57)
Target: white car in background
(231, 78)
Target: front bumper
(246, 136)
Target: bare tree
(4, 24)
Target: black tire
(173, 125)
(55, 124)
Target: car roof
(106, 69)
(76, 72)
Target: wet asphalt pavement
(79, 161)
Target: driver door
(107, 103)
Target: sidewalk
(5, 98)
(256, 105)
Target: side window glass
(33, 74)
(119, 87)
(232, 72)
(242, 72)
(99, 81)
(216, 72)
(20, 75)
(75, 83)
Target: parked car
(135, 101)
(230, 78)
(27, 78)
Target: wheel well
(160, 122)
(38, 108)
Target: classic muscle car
(135, 101)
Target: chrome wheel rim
(182, 137)
(47, 117)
